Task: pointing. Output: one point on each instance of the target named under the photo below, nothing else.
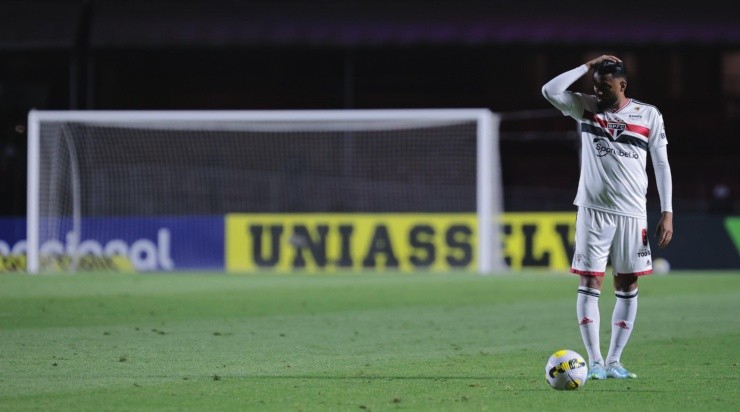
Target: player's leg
(589, 321)
(631, 259)
(593, 240)
(623, 321)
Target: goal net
(162, 190)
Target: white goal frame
(489, 192)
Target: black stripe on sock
(586, 292)
(634, 295)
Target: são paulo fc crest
(615, 128)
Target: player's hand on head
(600, 59)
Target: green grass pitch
(353, 342)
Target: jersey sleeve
(657, 132)
(555, 91)
(657, 143)
(663, 180)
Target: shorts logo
(644, 237)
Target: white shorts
(601, 235)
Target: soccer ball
(661, 266)
(566, 370)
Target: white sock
(587, 309)
(623, 320)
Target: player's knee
(625, 282)
(591, 281)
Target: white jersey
(614, 148)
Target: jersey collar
(626, 103)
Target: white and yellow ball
(566, 370)
(661, 266)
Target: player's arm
(664, 231)
(555, 91)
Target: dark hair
(616, 69)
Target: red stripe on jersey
(641, 130)
(593, 117)
(634, 128)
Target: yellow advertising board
(403, 241)
(328, 242)
(539, 240)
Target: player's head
(610, 82)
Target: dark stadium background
(98, 54)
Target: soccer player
(617, 133)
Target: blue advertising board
(140, 244)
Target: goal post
(101, 184)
